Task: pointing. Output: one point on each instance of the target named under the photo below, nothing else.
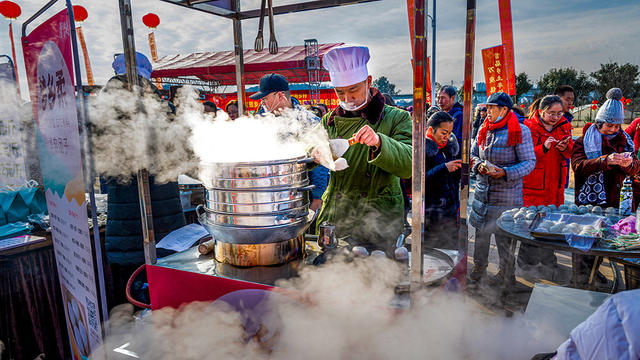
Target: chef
(365, 201)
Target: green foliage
(612, 75)
(523, 85)
(385, 86)
(579, 80)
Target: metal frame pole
(239, 57)
(419, 97)
(463, 234)
(144, 195)
(433, 54)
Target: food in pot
(596, 210)
(563, 208)
(552, 207)
(573, 209)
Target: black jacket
(441, 186)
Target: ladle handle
(305, 188)
(307, 160)
(199, 211)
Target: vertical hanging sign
(506, 31)
(49, 64)
(495, 69)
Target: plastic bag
(34, 198)
(14, 229)
(15, 209)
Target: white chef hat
(347, 65)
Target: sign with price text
(495, 69)
(49, 64)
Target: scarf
(514, 135)
(593, 142)
(430, 136)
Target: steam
(130, 134)
(337, 311)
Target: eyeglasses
(554, 115)
(482, 109)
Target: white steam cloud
(337, 311)
(129, 134)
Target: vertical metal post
(433, 54)
(419, 96)
(144, 195)
(463, 238)
(239, 56)
(13, 53)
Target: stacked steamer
(257, 212)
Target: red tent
(220, 66)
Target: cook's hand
(315, 204)
(549, 142)
(482, 170)
(453, 165)
(367, 136)
(498, 173)
(315, 154)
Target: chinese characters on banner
(49, 65)
(506, 31)
(495, 69)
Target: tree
(621, 76)
(385, 86)
(579, 80)
(523, 85)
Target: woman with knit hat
(501, 156)
(441, 202)
(601, 159)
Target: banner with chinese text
(506, 31)
(49, 66)
(495, 69)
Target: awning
(220, 66)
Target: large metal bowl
(265, 208)
(257, 235)
(248, 219)
(264, 196)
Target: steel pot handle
(305, 188)
(199, 211)
(307, 160)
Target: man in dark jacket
(447, 102)
(123, 238)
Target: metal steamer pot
(257, 208)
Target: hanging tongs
(273, 44)
(259, 44)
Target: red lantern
(522, 106)
(151, 20)
(594, 102)
(623, 99)
(572, 107)
(10, 10)
(79, 13)
(594, 107)
(628, 101)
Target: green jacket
(365, 200)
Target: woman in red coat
(553, 144)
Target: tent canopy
(220, 66)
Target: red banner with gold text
(495, 69)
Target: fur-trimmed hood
(451, 149)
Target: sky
(547, 34)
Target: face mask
(352, 106)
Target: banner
(411, 10)
(495, 69)
(506, 31)
(327, 97)
(49, 66)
